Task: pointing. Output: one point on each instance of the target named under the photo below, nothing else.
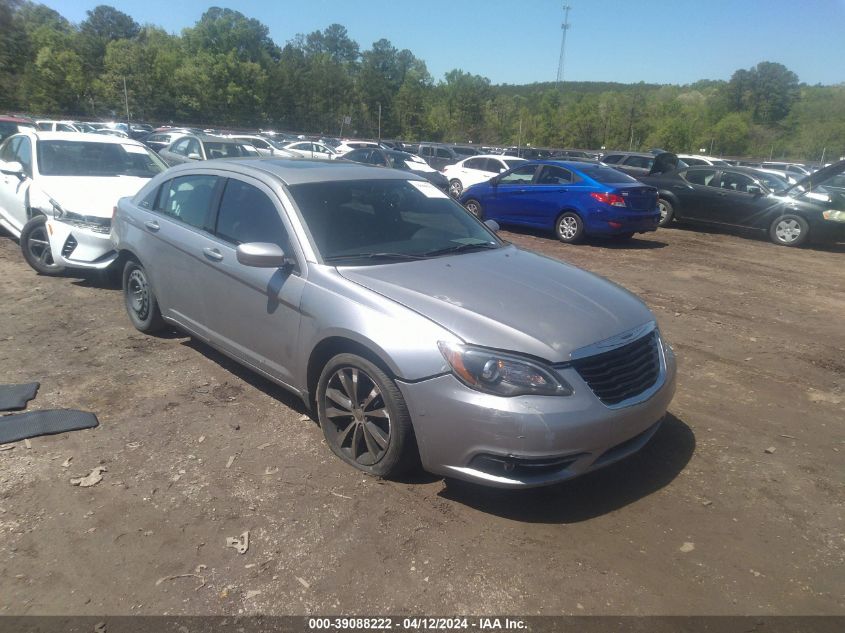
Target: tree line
(226, 71)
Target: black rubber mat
(13, 397)
(19, 426)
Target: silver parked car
(412, 330)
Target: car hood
(818, 178)
(509, 299)
(95, 196)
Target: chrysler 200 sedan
(413, 331)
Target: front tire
(569, 228)
(35, 246)
(667, 212)
(140, 300)
(456, 188)
(474, 206)
(364, 417)
(789, 230)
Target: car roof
(15, 119)
(295, 171)
(499, 156)
(644, 154)
(79, 136)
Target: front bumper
(528, 441)
(77, 245)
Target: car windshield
(378, 221)
(86, 158)
(605, 175)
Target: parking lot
(735, 507)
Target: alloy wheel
(39, 246)
(568, 227)
(358, 415)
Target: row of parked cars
(368, 292)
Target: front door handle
(213, 254)
(152, 225)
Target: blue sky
(518, 41)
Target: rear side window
(555, 176)
(639, 161)
(149, 201)
(188, 199)
(443, 153)
(476, 163)
(612, 159)
(248, 215)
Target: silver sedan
(407, 325)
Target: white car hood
(93, 195)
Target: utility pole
(126, 101)
(564, 28)
(379, 122)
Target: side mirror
(492, 225)
(194, 156)
(754, 190)
(13, 168)
(494, 180)
(261, 255)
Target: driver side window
(519, 176)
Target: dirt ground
(702, 521)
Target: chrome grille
(624, 372)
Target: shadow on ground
(248, 376)
(634, 243)
(594, 494)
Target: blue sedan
(571, 198)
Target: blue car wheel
(569, 227)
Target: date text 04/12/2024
(416, 623)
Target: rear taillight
(613, 199)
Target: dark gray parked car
(412, 330)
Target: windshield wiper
(457, 248)
(400, 256)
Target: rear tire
(569, 228)
(140, 300)
(35, 246)
(667, 212)
(789, 230)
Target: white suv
(475, 169)
(58, 191)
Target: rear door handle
(152, 225)
(213, 254)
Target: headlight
(834, 216)
(500, 373)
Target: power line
(564, 28)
